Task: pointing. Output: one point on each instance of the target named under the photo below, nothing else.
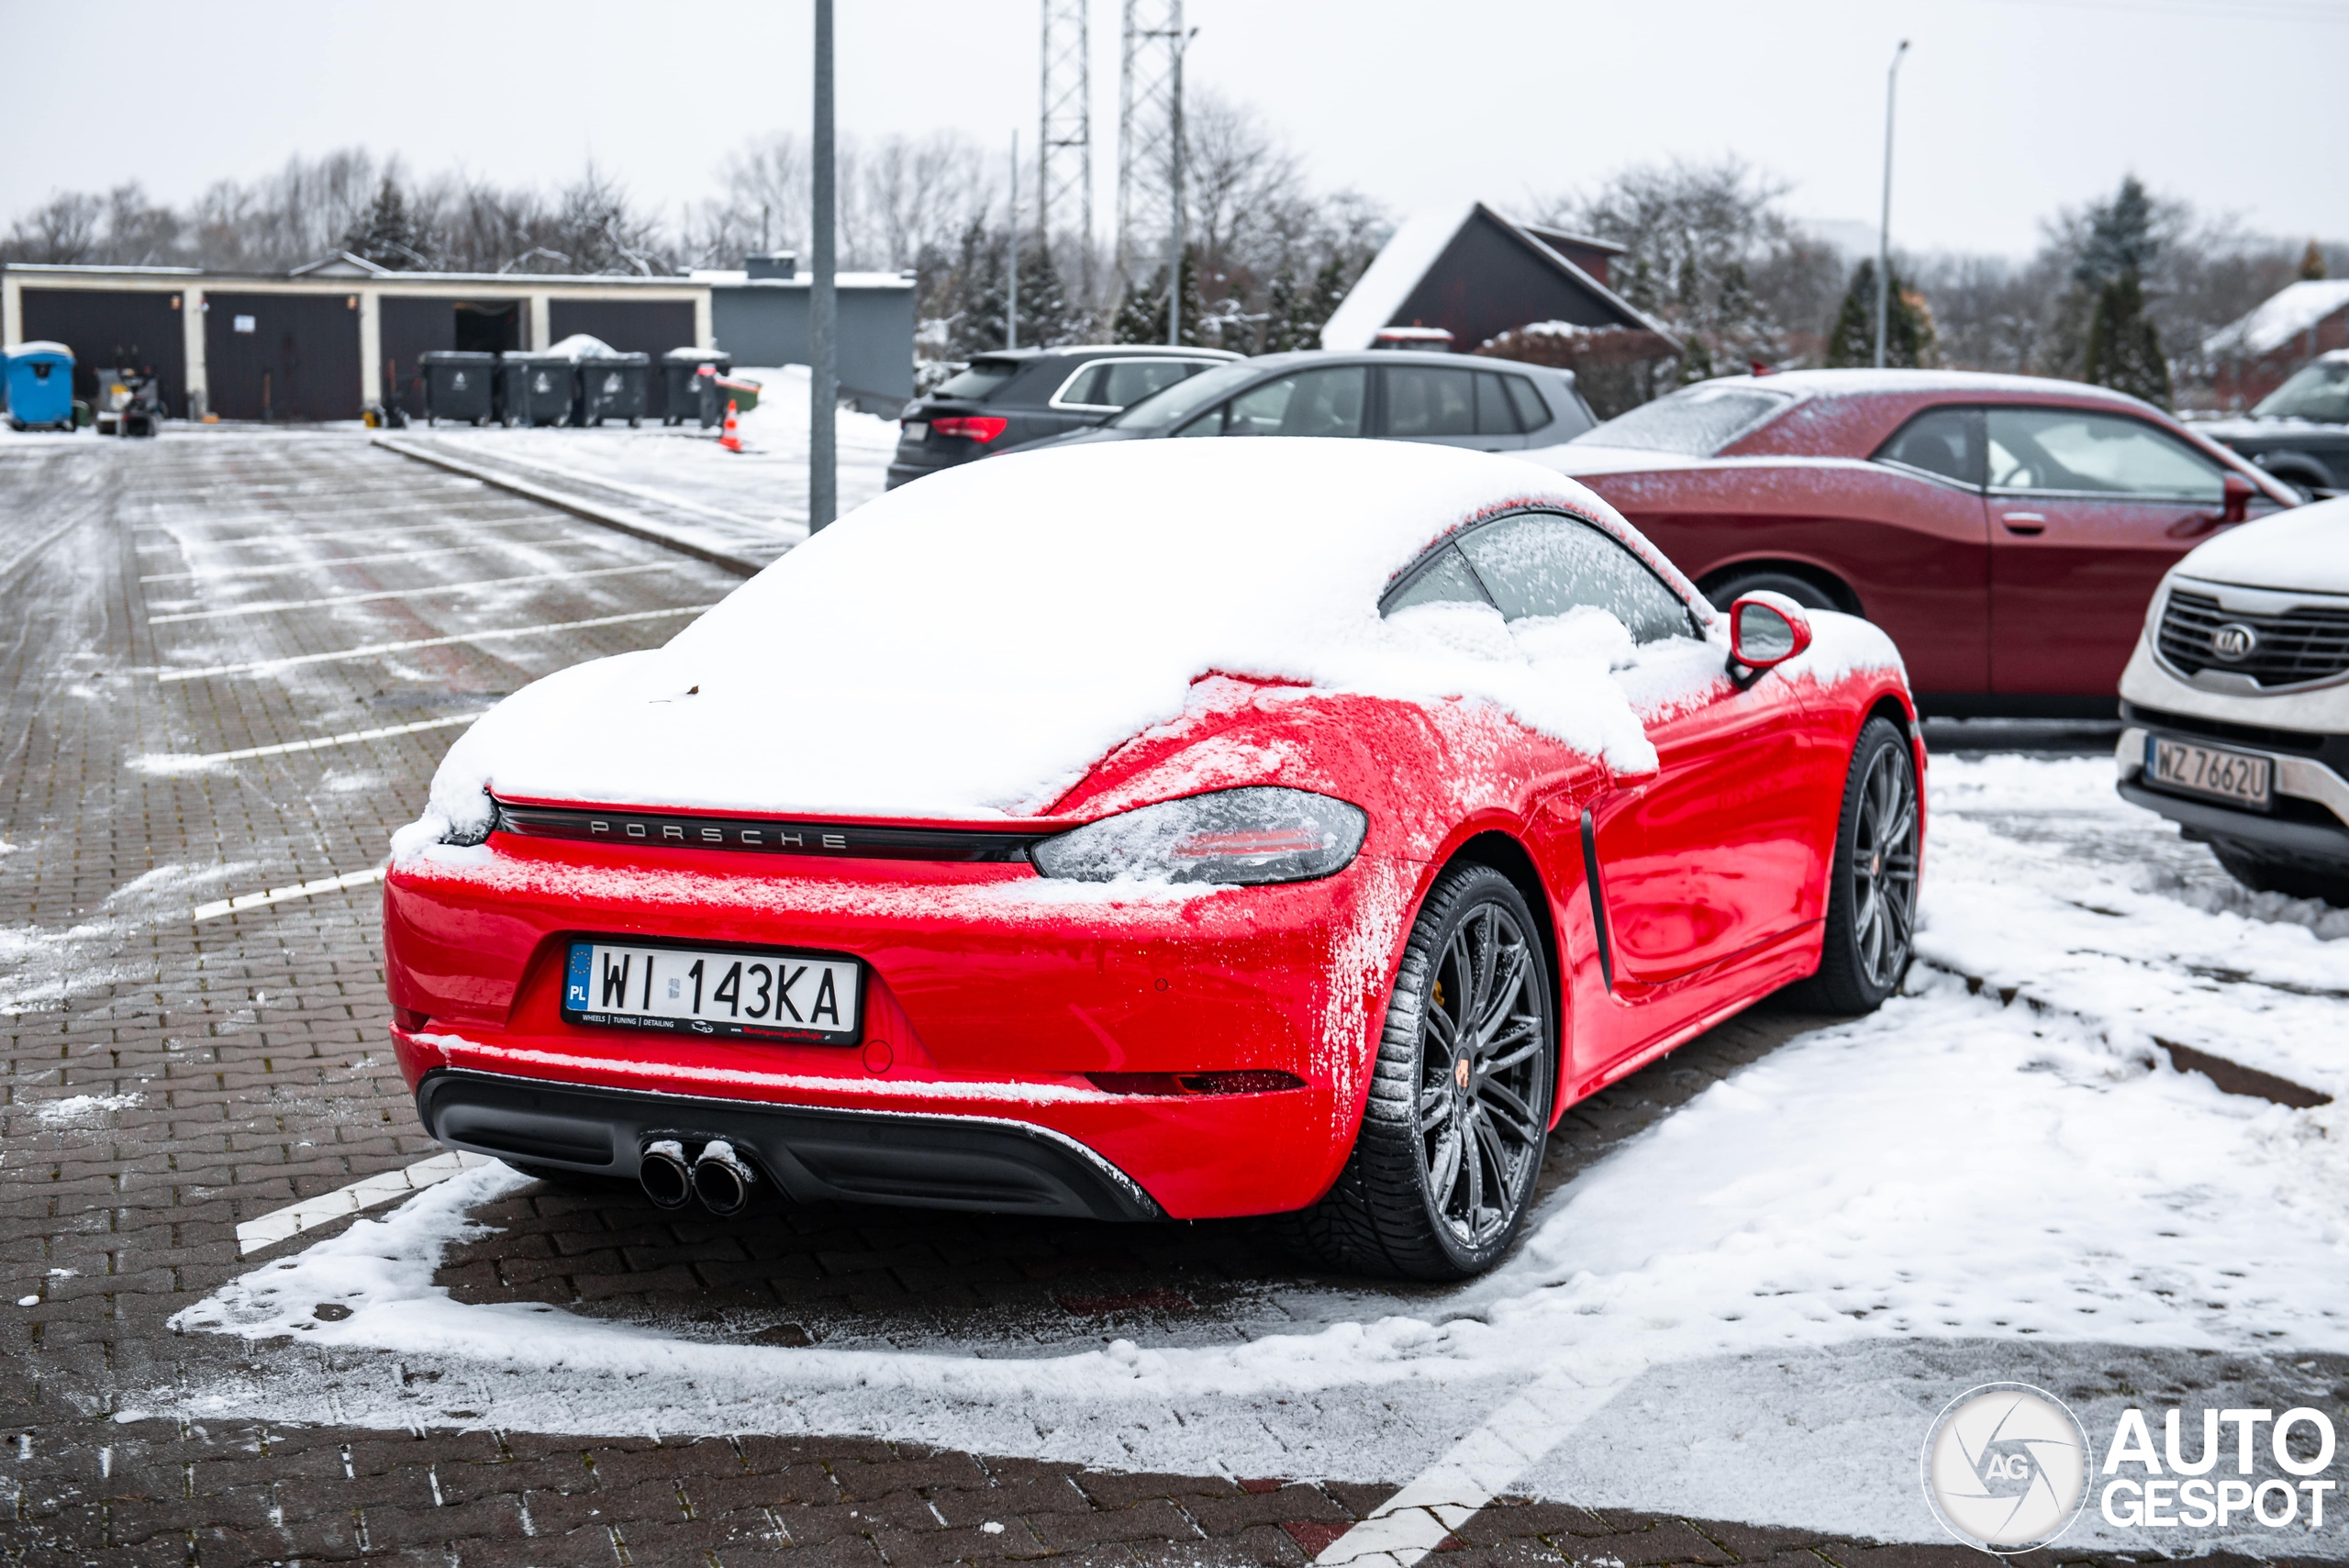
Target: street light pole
(823, 381)
(1884, 227)
(1011, 233)
(1175, 181)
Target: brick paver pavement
(168, 1079)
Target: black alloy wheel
(1802, 590)
(1444, 1169)
(1871, 881)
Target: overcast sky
(2008, 108)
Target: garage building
(327, 339)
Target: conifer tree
(2313, 264)
(385, 234)
(1908, 327)
(1142, 314)
(1284, 328)
(978, 294)
(1046, 316)
(2124, 351)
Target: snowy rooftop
(2289, 313)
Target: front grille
(2306, 642)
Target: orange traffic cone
(731, 442)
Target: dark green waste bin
(613, 387)
(458, 385)
(678, 368)
(535, 389)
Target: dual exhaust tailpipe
(720, 1178)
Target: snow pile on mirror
(969, 645)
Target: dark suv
(1398, 396)
(2300, 432)
(1024, 394)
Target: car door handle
(2025, 523)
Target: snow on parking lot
(2002, 1154)
(753, 501)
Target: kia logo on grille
(2234, 642)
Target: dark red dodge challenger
(2007, 532)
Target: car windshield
(980, 380)
(1185, 398)
(2318, 392)
(1695, 421)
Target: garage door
(282, 356)
(113, 326)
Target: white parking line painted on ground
(311, 889)
(357, 1198)
(569, 536)
(512, 522)
(466, 489)
(1472, 1473)
(163, 761)
(375, 650)
(272, 605)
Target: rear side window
(1120, 384)
(1496, 415)
(1531, 412)
(1695, 421)
(1446, 580)
(1539, 564)
(1427, 400)
(980, 380)
(1943, 441)
(1310, 403)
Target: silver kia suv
(2236, 702)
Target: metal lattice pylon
(1065, 129)
(1149, 88)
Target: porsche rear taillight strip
(762, 835)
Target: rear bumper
(810, 1154)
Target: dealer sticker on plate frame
(757, 991)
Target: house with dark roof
(1469, 271)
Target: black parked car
(1399, 396)
(1024, 394)
(2300, 432)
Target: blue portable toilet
(40, 387)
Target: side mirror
(1766, 630)
(2240, 493)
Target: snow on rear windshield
(1695, 421)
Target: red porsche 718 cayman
(1156, 829)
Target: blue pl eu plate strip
(582, 958)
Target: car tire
(2263, 875)
(1802, 590)
(1464, 1067)
(1871, 881)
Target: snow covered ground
(1748, 1311)
(753, 502)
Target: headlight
(1233, 836)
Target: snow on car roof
(969, 645)
(1878, 383)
